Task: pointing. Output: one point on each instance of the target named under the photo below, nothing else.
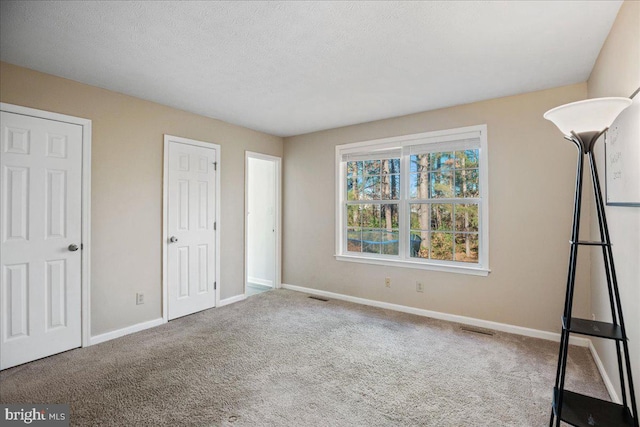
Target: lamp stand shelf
(573, 408)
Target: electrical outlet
(387, 282)
(139, 298)
(593, 316)
(419, 287)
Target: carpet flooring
(282, 359)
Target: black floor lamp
(583, 123)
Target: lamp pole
(568, 406)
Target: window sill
(475, 271)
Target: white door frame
(86, 205)
(168, 139)
(277, 283)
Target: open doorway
(262, 223)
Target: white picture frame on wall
(622, 157)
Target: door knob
(73, 247)
(173, 239)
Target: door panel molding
(183, 163)
(57, 147)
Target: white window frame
(404, 142)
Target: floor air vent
(318, 298)
(477, 330)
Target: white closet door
(190, 227)
(40, 254)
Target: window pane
(371, 188)
(419, 163)
(442, 217)
(413, 185)
(419, 186)
(441, 161)
(354, 187)
(390, 187)
(389, 216)
(354, 240)
(371, 241)
(353, 216)
(467, 247)
(420, 216)
(354, 181)
(467, 183)
(441, 184)
(419, 244)
(466, 217)
(467, 158)
(354, 168)
(372, 167)
(395, 187)
(390, 166)
(377, 241)
(442, 246)
(389, 244)
(394, 165)
(370, 216)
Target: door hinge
(215, 166)
(215, 285)
(81, 246)
(215, 226)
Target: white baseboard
(257, 281)
(487, 324)
(231, 300)
(125, 331)
(603, 373)
(146, 325)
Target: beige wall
(617, 73)
(127, 188)
(531, 177)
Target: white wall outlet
(593, 316)
(419, 287)
(387, 282)
(139, 298)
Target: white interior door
(191, 223)
(40, 256)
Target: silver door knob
(73, 247)
(173, 239)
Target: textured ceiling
(288, 68)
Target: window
(417, 201)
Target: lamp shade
(590, 115)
